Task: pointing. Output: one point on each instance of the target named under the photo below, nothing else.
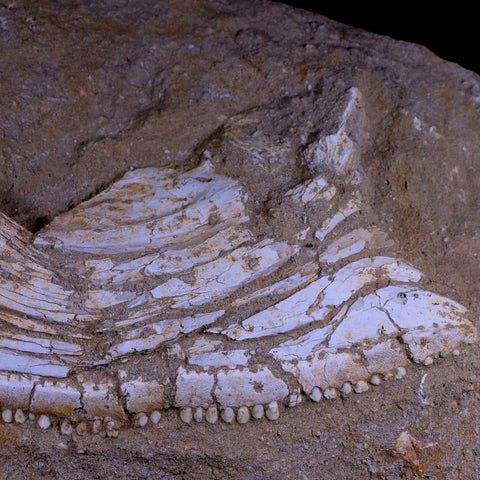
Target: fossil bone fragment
(164, 291)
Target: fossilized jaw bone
(228, 324)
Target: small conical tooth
(97, 426)
(110, 429)
(198, 415)
(228, 415)
(258, 412)
(316, 394)
(361, 386)
(20, 417)
(401, 372)
(155, 417)
(375, 379)
(330, 393)
(140, 420)
(7, 416)
(31, 416)
(347, 388)
(243, 415)
(186, 415)
(456, 352)
(428, 361)
(82, 428)
(294, 399)
(44, 422)
(66, 428)
(272, 412)
(211, 415)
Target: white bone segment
(352, 206)
(57, 399)
(142, 215)
(354, 242)
(142, 396)
(151, 336)
(305, 275)
(38, 345)
(243, 387)
(229, 359)
(193, 389)
(170, 261)
(316, 301)
(221, 277)
(16, 390)
(17, 362)
(312, 190)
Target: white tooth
(20, 417)
(360, 387)
(316, 394)
(272, 412)
(330, 393)
(7, 416)
(81, 428)
(211, 415)
(97, 426)
(375, 380)
(110, 428)
(243, 415)
(347, 388)
(228, 415)
(294, 399)
(155, 417)
(401, 372)
(66, 428)
(198, 414)
(428, 361)
(186, 415)
(140, 420)
(44, 422)
(258, 412)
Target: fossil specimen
(160, 292)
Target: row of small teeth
(272, 412)
(228, 415)
(359, 387)
(211, 414)
(105, 426)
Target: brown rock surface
(91, 89)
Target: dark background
(452, 32)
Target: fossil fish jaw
(183, 304)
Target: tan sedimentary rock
(246, 270)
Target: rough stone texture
(89, 90)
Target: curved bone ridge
(162, 291)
